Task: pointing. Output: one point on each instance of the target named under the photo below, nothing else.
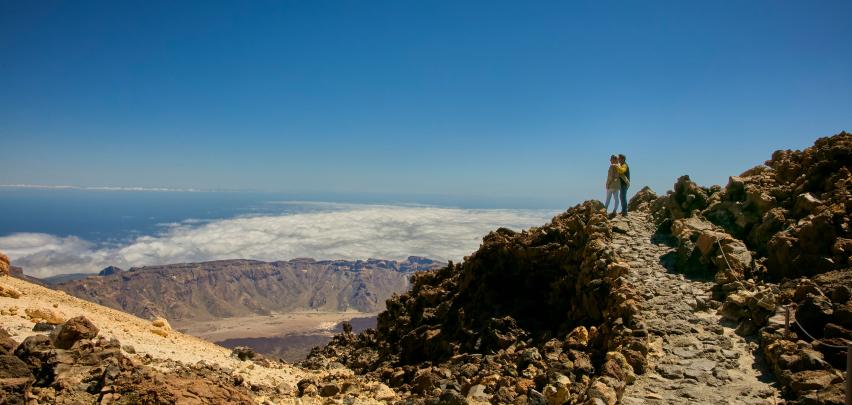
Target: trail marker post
(849, 375)
(787, 322)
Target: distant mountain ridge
(231, 288)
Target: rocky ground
(119, 358)
(695, 356)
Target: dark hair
(611, 157)
(622, 157)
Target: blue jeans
(623, 194)
(611, 194)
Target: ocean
(59, 231)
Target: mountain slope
(234, 288)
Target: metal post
(849, 375)
(787, 322)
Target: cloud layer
(345, 232)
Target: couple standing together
(617, 182)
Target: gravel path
(695, 356)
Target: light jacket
(612, 180)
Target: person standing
(624, 182)
(613, 184)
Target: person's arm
(622, 169)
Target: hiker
(613, 184)
(624, 182)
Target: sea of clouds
(341, 232)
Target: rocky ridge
(234, 288)
(776, 238)
(539, 316)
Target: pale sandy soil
(134, 331)
(260, 326)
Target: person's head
(622, 158)
(613, 159)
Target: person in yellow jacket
(624, 182)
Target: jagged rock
(794, 210)
(686, 198)
(642, 200)
(75, 329)
(618, 359)
(7, 344)
(810, 380)
(10, 292)
(161, 323)
(814, 313)
(477, 393)
(329, 390)
(4, 264)
(39, 354)
(243, 353)
(43, 327)
(600, 391)
(15, 380)
(48, 315)
(160, 331)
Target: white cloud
(345, 232)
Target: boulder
(15, 380)
(329, 390)
(4, 264)
(39, 354)
(48, 315)
(601, 391)
(9, 291)
(687, 198)
(813, 313)
(75, 329)
(641, 201)
(806, 204)
(7, 344)
(243, 353)
(161, 323)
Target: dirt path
(695, 357)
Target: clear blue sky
(512, 100)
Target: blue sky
(506, 101)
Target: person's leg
(623, 193)
(615, 204)
(608, 196)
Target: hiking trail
(695, 356)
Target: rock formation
(778, 234)
(532, 316)
(4, 265)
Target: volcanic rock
(65, 335)
(497, 324)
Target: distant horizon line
(446, 200)
(106, 188)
